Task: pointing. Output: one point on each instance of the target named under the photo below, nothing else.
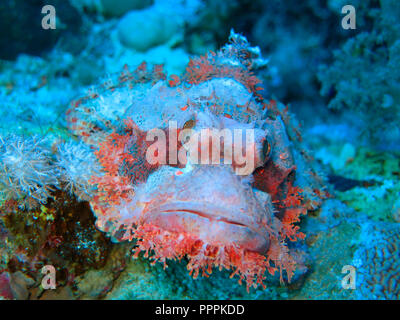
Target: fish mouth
(211, 223)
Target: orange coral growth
(293, 209)
(123, 158)
(174, 81)
(113, 154)
(205, 68)
(112, 186)
(160, 245)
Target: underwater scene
(199, 149)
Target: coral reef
(161, 23)
(52, 234)
(109, 8)
(364, 75)
(364, 179)
(26, 173)
(330, 232)
(18, 16)
(90, 187)
(30, 170)
(296, 47)
(141, 280)
(76, 164)
(34, 92)
(377, 263)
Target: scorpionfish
(239, 215)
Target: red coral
(114, 154)
(174, 81)
(112, 186)
(293, 209)
(160, 245)
(207, 67)
(123, 158)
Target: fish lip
(186, 208)
(182, 206)
(206, 215)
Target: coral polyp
(26, 172)
(76, 164)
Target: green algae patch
(380, 176)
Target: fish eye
(266, 148)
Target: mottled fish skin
(207, 212)
(210, 202)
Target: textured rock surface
(377, 262)
(144, 29)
